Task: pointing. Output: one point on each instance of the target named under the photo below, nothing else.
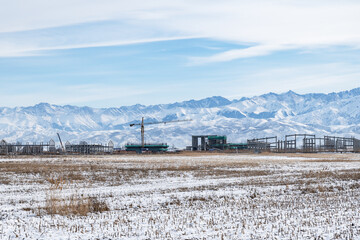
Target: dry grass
(105, 170)
(114, 173)
(352, 174)
(75, 204)
(320, 189)
(173, 196)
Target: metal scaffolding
(86, 148)
(30, 149)
(50, 148)
(305, 143)
(261, 144)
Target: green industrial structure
(153, 147)
(214, 142)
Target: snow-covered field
(181, 197)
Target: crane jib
(139, 124)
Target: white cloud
(267, 25)
(19, 50)
(255, 51)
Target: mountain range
(266, 115)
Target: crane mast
(142, 133)
(62, 146)
(143, 128)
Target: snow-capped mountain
(266, 115)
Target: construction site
(305, 143)
(50, 148)
(294, 143)
(302, 143)
(149, 147)
(27, 149)
(214, 142)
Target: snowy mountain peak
(265, 115)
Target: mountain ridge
(259, 116)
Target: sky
(114, 53)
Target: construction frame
(87, 148)
(27, 149)
(305, 143)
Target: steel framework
(305, 143)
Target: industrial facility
(149, 147)
(34, 148)
(50, 148)
(304, 143)
(214, 142)
(86, 148)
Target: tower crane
(143, 129)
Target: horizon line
(227, 98)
